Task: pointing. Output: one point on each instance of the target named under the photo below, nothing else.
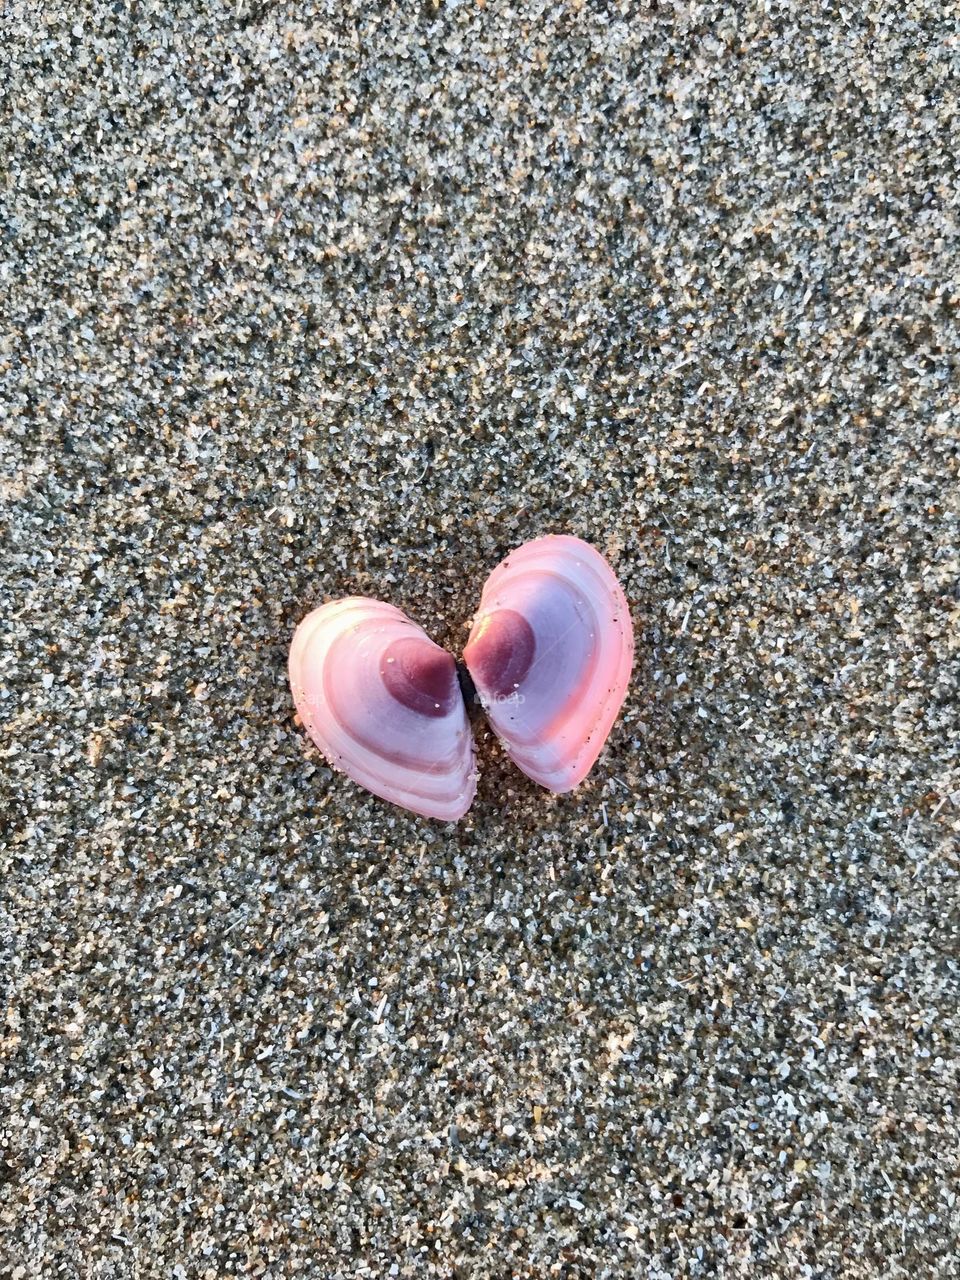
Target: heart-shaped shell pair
(550, 654)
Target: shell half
(550, 653)
(383, 704)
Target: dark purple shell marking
(420, 676)
(501, 652)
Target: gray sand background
(307, 300)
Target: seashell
(383, 704)
(550, 653)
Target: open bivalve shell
(550, 655)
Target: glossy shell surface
(383, 704)
(550, 653)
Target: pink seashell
(550, 653)
(383, 704)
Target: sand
(306, 300)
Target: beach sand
(305, 301)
